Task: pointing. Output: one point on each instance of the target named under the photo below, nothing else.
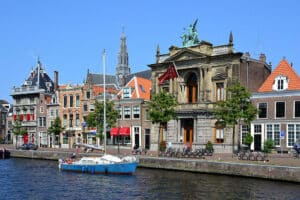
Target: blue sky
(70, 35)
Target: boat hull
(115, 168)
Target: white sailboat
(106, 163)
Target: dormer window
(281, 83)
(126, 92)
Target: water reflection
(40, 179)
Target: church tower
(122, 70)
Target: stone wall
(273, 172)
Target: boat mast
(104, 98)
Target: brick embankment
(276, 166)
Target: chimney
(262, 57)
(55, 80)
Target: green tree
(18, 129)
(237, 107)
(248, 140)
(56, 128)
(96, 118)
(162, 110)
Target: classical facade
(30, 105)
(278, 102)
(204, 73)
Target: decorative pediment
(219, 76)
(185, 54)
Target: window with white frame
(273, 133)
(280, 83)
(219, 135)
(65, 101)
(41, 109)
(71, 100)
(293, 134)
(126, 92)
(244, 131)
(297, 109)
(220, 91)
(77, 101)
(126, 112)
(43, 138)
(136, 112)
(262, 110)
(64, 120)
(120, 112)
(77, 122)
(42, 121)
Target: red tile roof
(141, 88)
(285, 69)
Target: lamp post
(118, 136)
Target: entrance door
(136, 136)
(147, 138)
(188, 136)
(257, 142)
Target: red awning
(123, 131)
(114, 131)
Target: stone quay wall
(271, 172)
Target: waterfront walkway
(272, 158)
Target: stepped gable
(284, 69)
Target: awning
(122, 131)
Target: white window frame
(292, 133)
(280, 83)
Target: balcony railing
(26, 90)
(29, 123)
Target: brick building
(278, 102)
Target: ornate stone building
(204, 73)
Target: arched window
(192, 88)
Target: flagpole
(175, 68)
(104, 98)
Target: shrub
(209, 146)
(268, 145)
(248, 140)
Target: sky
(69, 36)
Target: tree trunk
(233, 138)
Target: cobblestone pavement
(272, 159)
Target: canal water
(40, 179)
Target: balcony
(29, 123)
(26, 90)
(194, 106)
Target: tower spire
(122, 69)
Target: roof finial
(230, 38)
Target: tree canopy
(56, 127)
(162, 109)
(237, 107)
(96, 118)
